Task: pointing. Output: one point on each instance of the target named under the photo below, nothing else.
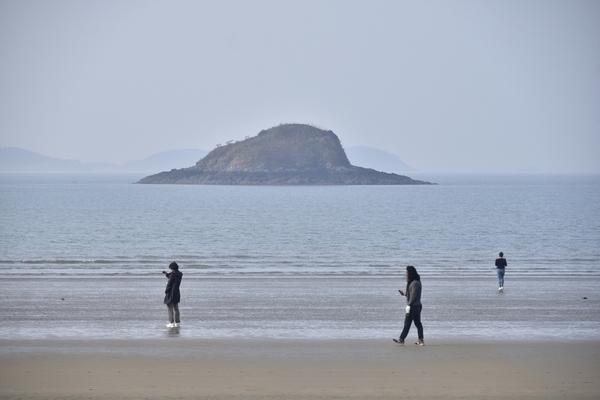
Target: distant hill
(379, 160)
(16, 159)
(288, 154)
(166, 161)
(529, 170)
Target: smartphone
(401, 292)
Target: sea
(82, 255)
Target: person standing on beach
(500, 265)
(172, 295)
(413, 305)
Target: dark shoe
(399, 341)
(420, 343)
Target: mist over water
(303, 262)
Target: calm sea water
(309, 262)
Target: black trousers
(414, 315)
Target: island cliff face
(289, 154)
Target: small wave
(255, 266)
(67, 262)
(7, 274)
(121, 261)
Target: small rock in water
(585, 298)
(62, 298)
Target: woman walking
(172, 295)
(413, 305)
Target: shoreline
(297, 369)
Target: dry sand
(286, 369)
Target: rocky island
(288, 154)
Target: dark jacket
(501, 263)
(172, 295)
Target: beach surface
(297, 369)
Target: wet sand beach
(291, 369)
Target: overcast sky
(448, 86)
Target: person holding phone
(413, 305)
(172, 295)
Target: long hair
(413, 275)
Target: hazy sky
(448, 86)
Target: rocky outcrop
(289, 154)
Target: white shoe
(170, 325)
(176, 325)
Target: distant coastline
(14, 159)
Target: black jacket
(501, 263)
(172, 295)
